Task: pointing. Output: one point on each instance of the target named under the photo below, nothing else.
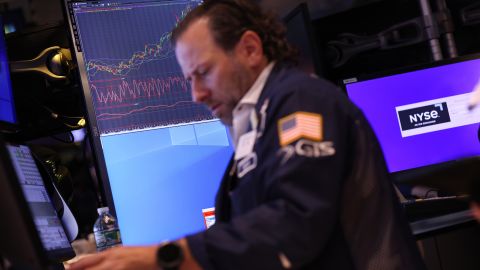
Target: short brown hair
(229, 19)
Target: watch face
(169, 256)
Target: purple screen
(434, 111)
(7, 110)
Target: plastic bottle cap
(102, 210)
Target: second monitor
(421, 115)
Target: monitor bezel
(391, 72)
(93, 134)
(418, 173)
(8, 128)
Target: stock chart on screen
(160, 152)
(134, 79)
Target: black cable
(80, 123)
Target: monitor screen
(31, 231)
(421, 117)
(7, 109)
(160, 156)
(48, 224)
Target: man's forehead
(197, 31)
(194, 45)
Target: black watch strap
(169, 256)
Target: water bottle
(106, 231)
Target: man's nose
(200, 94)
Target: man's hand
(121, 258)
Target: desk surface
(441, 222)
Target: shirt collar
(253, 94)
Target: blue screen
(164, 154)
(421, 117)
(7, 109)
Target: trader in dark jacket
(307, 188)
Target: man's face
(219, 79)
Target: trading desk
(429, 216)
(446, 233)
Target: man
(307, 187)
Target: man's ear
(250, 47)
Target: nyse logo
(424, 116)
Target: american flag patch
(300, 125)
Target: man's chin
(225, 120)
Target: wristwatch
(169, 256)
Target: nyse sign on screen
(424, 116)
(435, 115)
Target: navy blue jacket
(322, 203)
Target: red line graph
(135, 82)
(124, 91)
(166, 101)
(110, 116)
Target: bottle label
(107, 239)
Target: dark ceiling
(318, 8)
(41, 12)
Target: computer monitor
(32, 235)
(300, 34)
(421, 115)
(7, 106)
(160, 156)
